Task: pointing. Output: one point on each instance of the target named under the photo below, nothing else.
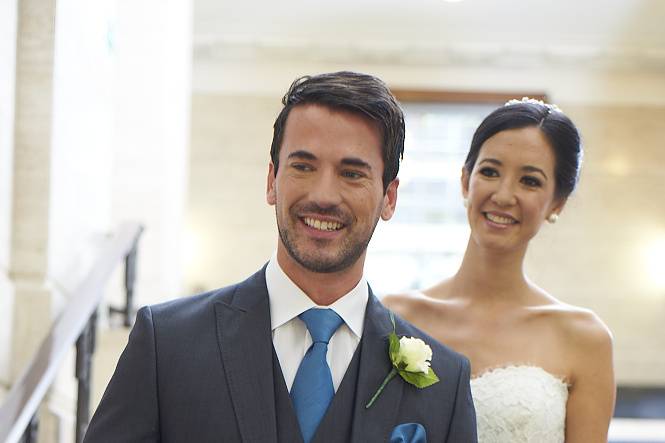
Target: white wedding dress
(519, 404)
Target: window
(425, 240)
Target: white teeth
(322, 225)
(500, 220)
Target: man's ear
(271, 195)
(464, 179)
(390, 200)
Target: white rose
(415, 353)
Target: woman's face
(511, 189)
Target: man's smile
(322, 225)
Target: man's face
(328, 192)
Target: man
(295, 352)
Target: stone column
(29, 232)
(28, 265)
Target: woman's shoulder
(405, 298)
(584, 327)
(406, 304)
(578, 326)
(415, 302)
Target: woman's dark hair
(558, 129)
(351, 91)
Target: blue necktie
(313, 389)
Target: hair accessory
(552, 218)
(533, 101)
(465, 202)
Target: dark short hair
(350, 91)
(557, 128)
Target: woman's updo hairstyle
(558, 129)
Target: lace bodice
(519, 404)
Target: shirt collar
(287, 300)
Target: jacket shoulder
(191, 305)
(192, 308)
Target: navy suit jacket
(200, 369)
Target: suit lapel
(288, 429)
(245, 343)
(375, 423)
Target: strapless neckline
(493, 371)
(520, 404)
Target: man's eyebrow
(357, 162)
(302, 154)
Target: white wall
(82, 151)
(120, 136)
(7, 68)
(150, 153)
(120, 139)
(111, 146)
(81, 163)
(151, 136)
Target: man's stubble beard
(348, 254)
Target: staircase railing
(75, 325)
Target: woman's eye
(489, 172)
(531, 181)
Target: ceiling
(624, 33)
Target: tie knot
(321, 323)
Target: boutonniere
(411, 358)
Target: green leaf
(393, 348)
(419, 379)
(431, 377)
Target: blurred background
(161, 112)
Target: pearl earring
(552, 218)
(465, 202)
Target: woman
(541, 369)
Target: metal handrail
(75, 325)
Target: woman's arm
(591, 399)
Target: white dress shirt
(289, 334)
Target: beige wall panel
(231, 227)
(597, 255)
